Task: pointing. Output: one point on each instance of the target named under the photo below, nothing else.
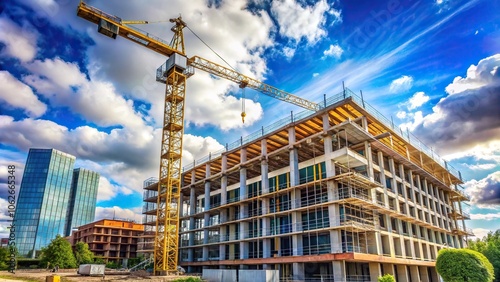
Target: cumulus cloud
(416, 119)
(124, 157)
(469, 115)
(196, 147)
(486, 191)
(484, 74)
(402, 84)
(297, 21)
(119, 213)
(417, 100)
(20, 95)
(20, 42)
(334, 51)
(97, 101)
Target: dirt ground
(71, 275)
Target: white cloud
(487, 151)
(97, 101)
(119, 213)
(20, 42)
(417, 100)
(196, 147)
(402, 84)
(485, 216)
(401, 114)
(20, 95)
(124, 157)
(479, 233)
(288, 52)
(315, 74)
(416, 119)
(298, 21)
(334, 51)
(485, 73)
(481, 166)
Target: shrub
(386, 278)
(464, 265)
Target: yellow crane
(174, 73)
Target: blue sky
(431, 65)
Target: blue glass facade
(44, 199)
(83, 198)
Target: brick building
(113, 240)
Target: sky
(433, 66)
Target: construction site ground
(71, 275)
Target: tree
(489, 246)
(4, 258)
(82, 253)
(386, 278)
(59, 253)
(463, 265)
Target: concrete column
(338, 270)
(375, 272)
(415, 273)
(192, 211)
(298, 271)
(264, 167)
(424, 277)
(206, 215)
(243, 207)
(294, 158)
(334, 215)
(434, 274)
(388, 269)
(369, 158)
(402, 273)
(222, 247)
(243, 175)
(223, 182)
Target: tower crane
(174, 73)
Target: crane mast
(174, 73)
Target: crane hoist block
(107, 28)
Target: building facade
(83, 198)
(112, 240)
(337, 195)
(43, 203)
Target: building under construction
(341, 194)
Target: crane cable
(242, 85)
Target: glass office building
(83, 198)
(44, 201)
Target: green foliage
(135, 261)
(188, 279)
(99, 260)
(489, 246)
(59, 253)
(4, 258)
(113, 265)
(463, 265)
(82, 253)
(386, 278)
